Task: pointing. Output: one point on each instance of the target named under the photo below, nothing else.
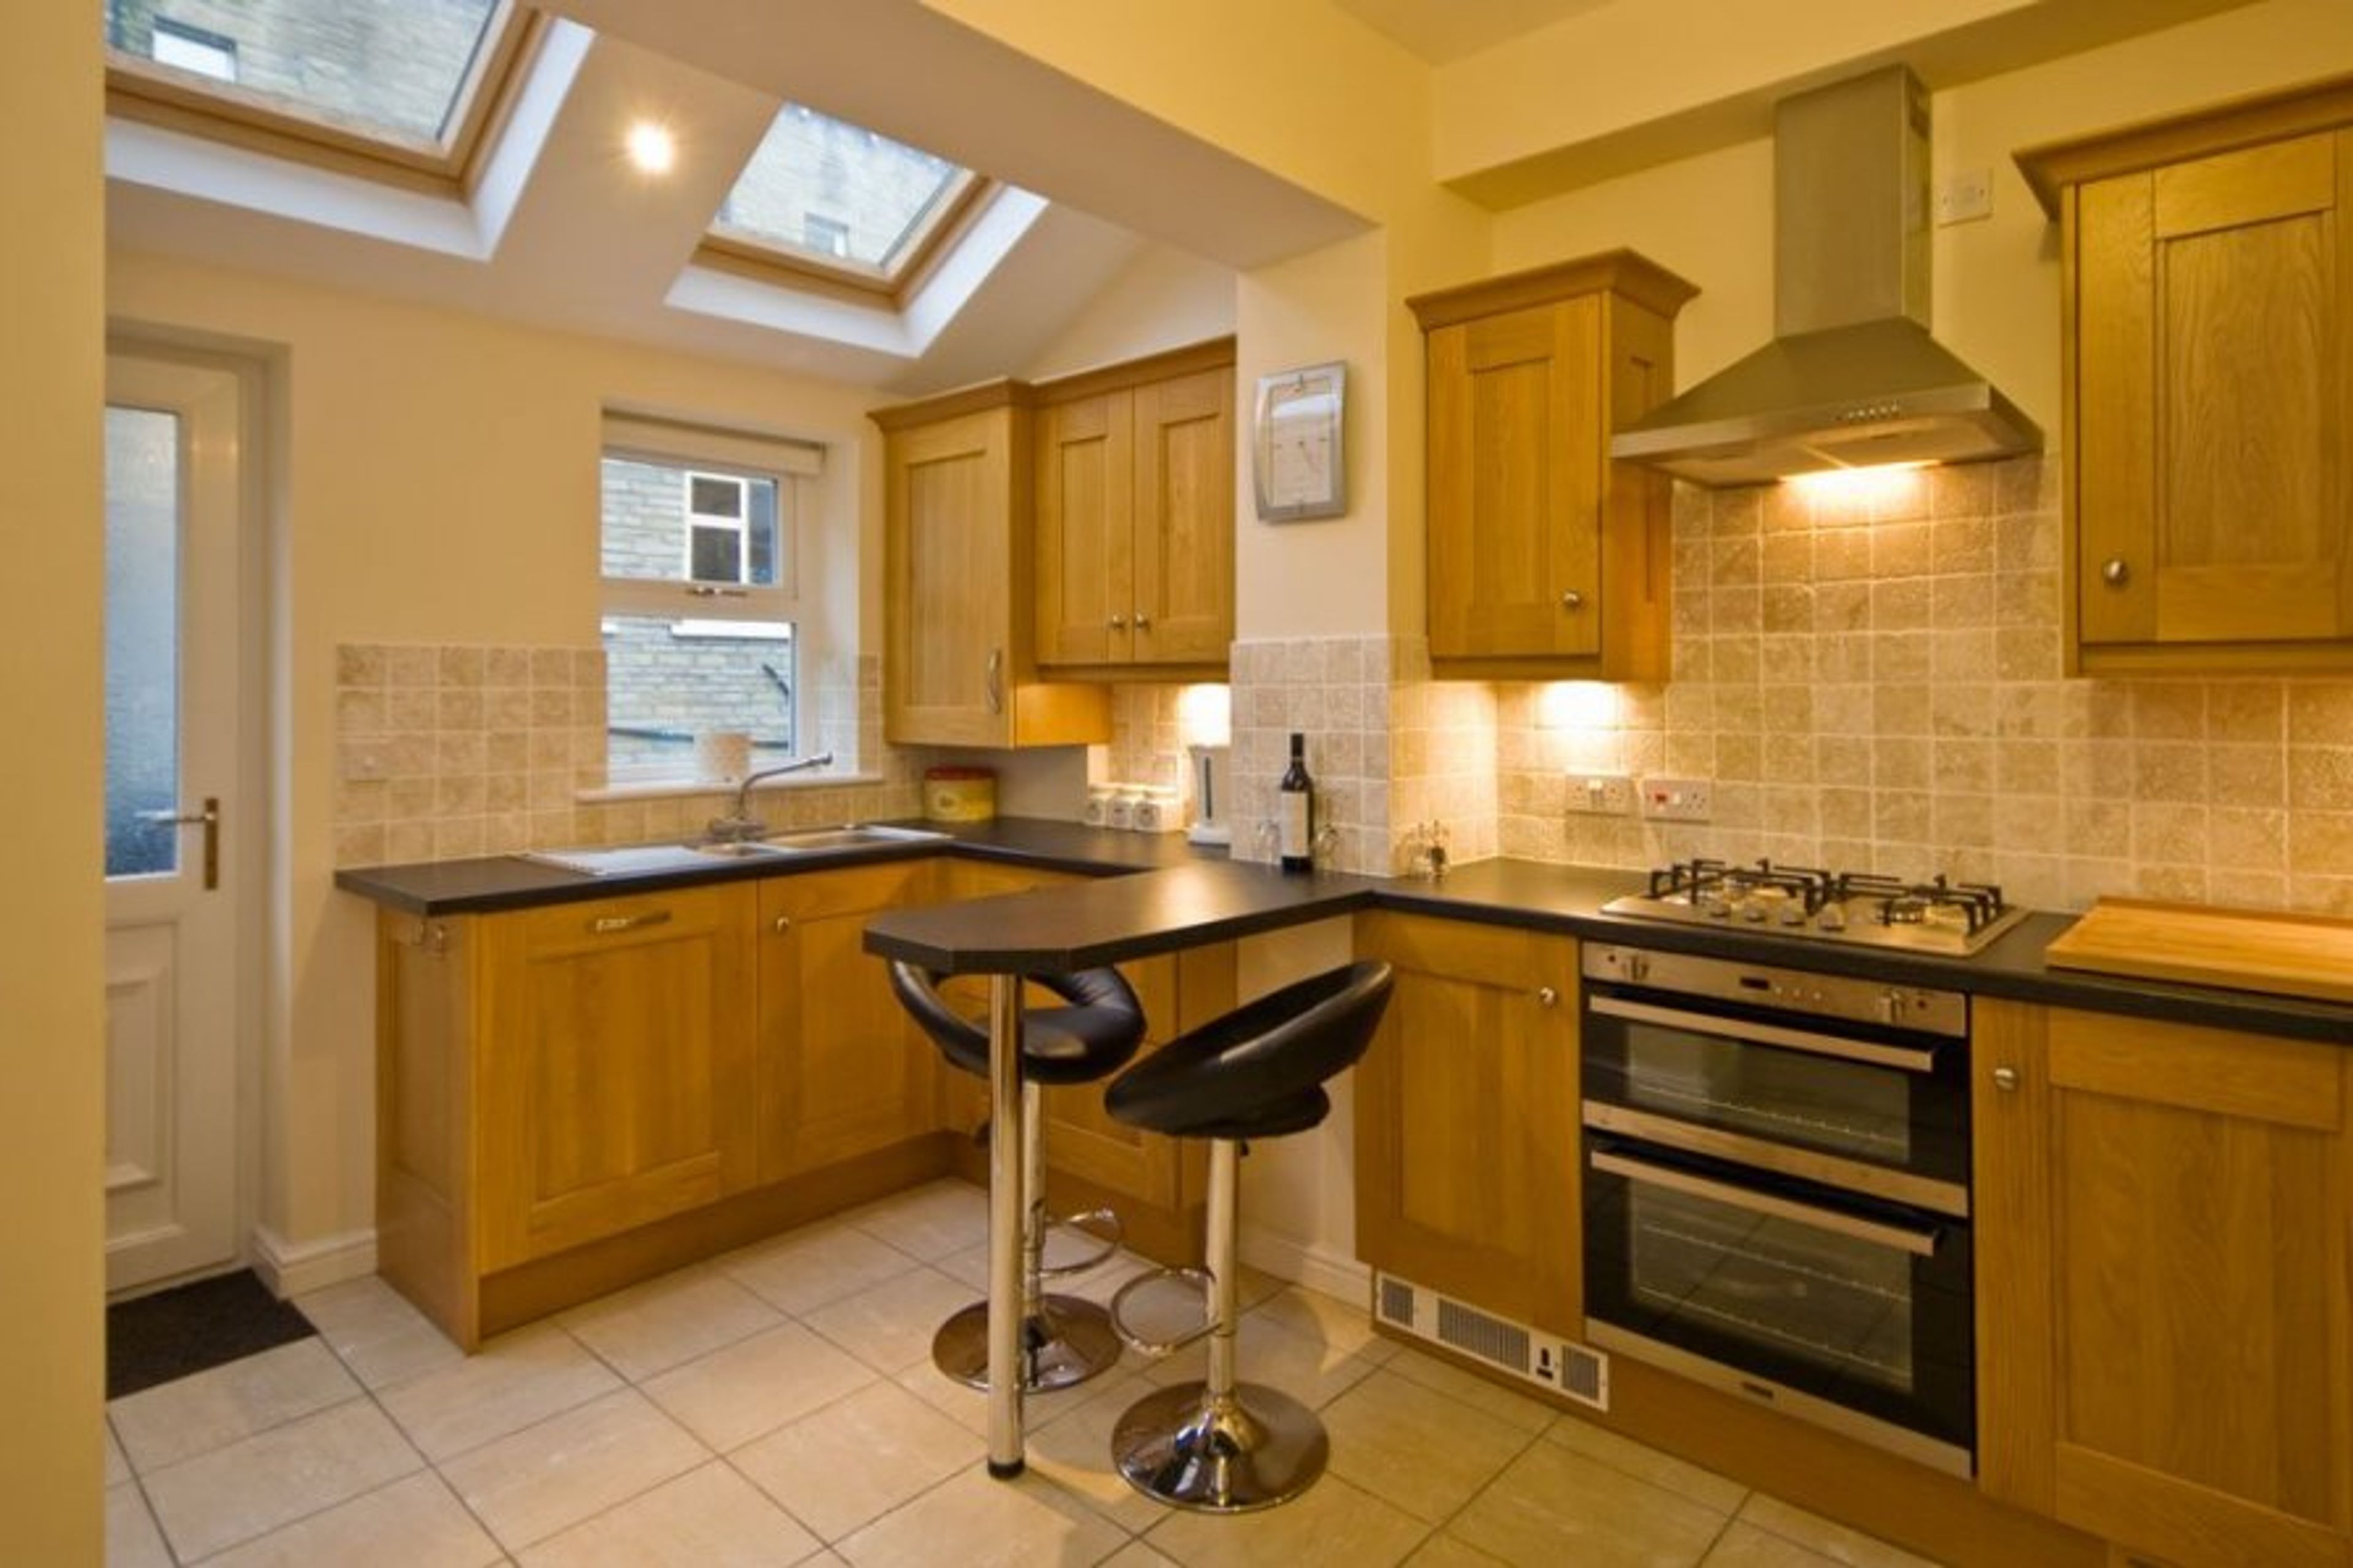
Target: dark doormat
(190, 1327)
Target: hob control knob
(1833, 917)
(1752, 912)
(1793, 914)
(1637, 966)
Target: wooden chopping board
(2248, 950)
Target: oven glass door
(1864, 1305)
(1879, 1098)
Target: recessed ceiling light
(652, 147)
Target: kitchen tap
(740, 823)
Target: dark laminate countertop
(507, 882)
(1117, 918)
(1181, 896)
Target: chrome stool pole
(1215, 1443)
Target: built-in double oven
(1776, 1190)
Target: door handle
(993, 679)
(1918, 1240)
(209, 819)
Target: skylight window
(407, 84)
(843, 200)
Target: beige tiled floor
(777, 1405)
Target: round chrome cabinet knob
(2116, 572)
(1572, 600)
(2004, 1078)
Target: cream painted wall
(1300, 89)
(437, 476)
(1997, 286)
(52, 1047)
(1162, 300)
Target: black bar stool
(1064, 1339)
(1216, 1444)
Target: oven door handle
(1918, 1240)
(1910, 1059)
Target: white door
(172, 528)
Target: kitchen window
(836, 202)
(702, 625)
(396, 91)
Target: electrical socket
(1599, 795)
(1675, 800)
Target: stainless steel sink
(857, 835)
(642, 859)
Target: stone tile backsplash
(1874, 682)
(443, 752)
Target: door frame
(247, 845)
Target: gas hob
(1856, 907)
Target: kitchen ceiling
(1444, 31)
(583, 244)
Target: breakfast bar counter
(1062, 930)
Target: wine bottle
(1296, 811)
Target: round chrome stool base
(1066, 1342)
(1253, 1449)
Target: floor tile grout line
(1527, 1446)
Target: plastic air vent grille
(1489, 1339)
(1578, 1371)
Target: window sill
(679, 789)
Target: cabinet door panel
(1085, 519)
(2209, 309)
(617, 1062)
(1184, 562)
(1467, 1119)
(949, 506)
(1515, 494)
(842, 1072)
(2167, 1359)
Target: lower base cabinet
(575, 1096)
(1467, 1119)
(2165, 1293)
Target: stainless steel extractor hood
(1851, 378)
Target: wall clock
(1301, 470)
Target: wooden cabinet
(2209, 323)
(2165, 1293)
(1135, 502)
(956, 666)
(1545, 558)
(614, 1067)
(841, 1070)
(1467, 1175)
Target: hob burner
(1936, 916)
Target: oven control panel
(1798, 991)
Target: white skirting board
(290, 1269)
(1335, 1274)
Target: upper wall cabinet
(2209, 290)
(956, 664)
(1546, 559)
(1135, 518)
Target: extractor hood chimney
(1851, 378)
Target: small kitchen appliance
(1212, 772)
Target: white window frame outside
(710, 609)
(187, 49)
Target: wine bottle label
(1292, 819)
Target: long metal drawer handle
(1910, 1058)
(1920, 1243)
(995, 678)
(1906, 1187)
(605, 925)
